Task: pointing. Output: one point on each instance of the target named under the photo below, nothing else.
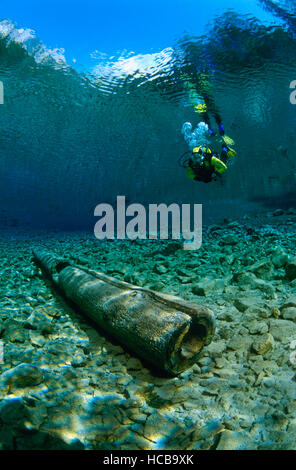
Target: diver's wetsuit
(211, 107)
(201, 172)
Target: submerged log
(164, 330)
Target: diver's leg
(203, 86)
(211, 108)
(218, 120)
(206, 119)
(223, 155)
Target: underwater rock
(14, 331)
(217, 348)
(262, 269)
(23, 375)
(239, 342)
(232, 440)
(282, 330)
(13, 413)
(277, 213)
(289, 303)
(37, 339)
(265, 287)
(259, 312)
(160, 269)
(208, 286)
(184, 272)
(243, 303)
(20, 420)
(264, 344)
(156, 423)
(244, 279)
(2, 327)
(292, 359)
(289, 313)
(275, 312)
(291, 269)
(207, 431)
(61, 349)
(39, 321)
(257, 327)
(79, 360)
(280, 258)
(229, 240)
(164, 330)
(104, 401)
(18, 353)
(165, 393)
(37, 413)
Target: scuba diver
(204, 164)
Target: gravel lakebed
(64, 384)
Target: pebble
(243, 303)
(263, 344)
(257, 327)
(289, 313)
(282, 330)
(280, 258)
(24, 375)
(40, 321)
(229, 240)
(232, 440)
(262, 269)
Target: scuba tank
(196, 139)
(210, 160)
(200, 155)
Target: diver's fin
(218, 165)
(227, 140)
(231, 152)
(200, 108)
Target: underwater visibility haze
(140, 344)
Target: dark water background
(69, 141)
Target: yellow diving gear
(202, 150)
(227, 140)
(218, 165)
(190, 173)
(231, 153)
(200, 108)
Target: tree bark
(164, 330)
